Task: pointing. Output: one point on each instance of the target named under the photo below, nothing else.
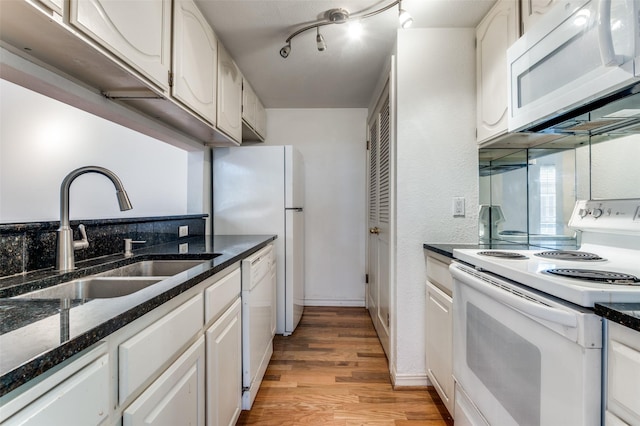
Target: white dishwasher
(258, 309)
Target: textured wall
(437, 159)
(332, 142)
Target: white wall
(42, 140)
(332, 142)
(437, 159)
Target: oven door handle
(491, 289)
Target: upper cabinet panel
(532, 10)
(195, 58)
(137, 31)
(495, 33)
(229, 95)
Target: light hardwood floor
(333, 371)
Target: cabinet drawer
(85, 395)
(438, 274)
(148, 351)
(221, 295)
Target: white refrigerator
(260, 190)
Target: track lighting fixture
(284, 52)
(322, 46)
(340, 16)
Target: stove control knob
(596, 213)
(583, 212)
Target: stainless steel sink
(153, 268)
(93, 288)
(115, 282)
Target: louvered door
(379, 218)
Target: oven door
(579, 51)
(516, 354)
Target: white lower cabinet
(439, 329)
(176, 397)
(80, 399)
(152, 371)
(623, 376)
(224, 368)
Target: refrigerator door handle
(295, 209)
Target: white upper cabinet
(261, 119)
(532, 10)
(249, 101)
(254, 115)
(195, 58)
(229, 96)
(495, 33)
(137, 31)
(55, 5)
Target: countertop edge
(620, 313)
(45, 361)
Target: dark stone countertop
(627, 314)
(30, 336)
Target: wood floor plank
(332, 371)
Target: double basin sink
(116, 282)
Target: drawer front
(221, 295)
(438, 274)
(145, 353)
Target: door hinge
(170, 79)
(366, 278)
(368, 145)
(388, 320)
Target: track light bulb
(322, 46)
(284, 52)
(405, 19)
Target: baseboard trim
(330, 302)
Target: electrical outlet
(183, 231)
(183, 248)
(458, 206)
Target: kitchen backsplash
(26, 247)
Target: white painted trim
(332, 302)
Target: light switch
(183, 231)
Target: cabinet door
(85, 394)
(176, 397)
(623, 374)
(195, 57)
(137, 31)
(224, 367)
(261, 119)
(229, 96)
(55, 5)
(439, 343)
(496, 32)
(249, 101)
(532, 10)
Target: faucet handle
(84, 242)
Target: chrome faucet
(66, 245)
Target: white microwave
(579, 52)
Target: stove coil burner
(569, 255)
(503, 254)
(594, 275)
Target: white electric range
(527, 345)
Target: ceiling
(345, 74)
